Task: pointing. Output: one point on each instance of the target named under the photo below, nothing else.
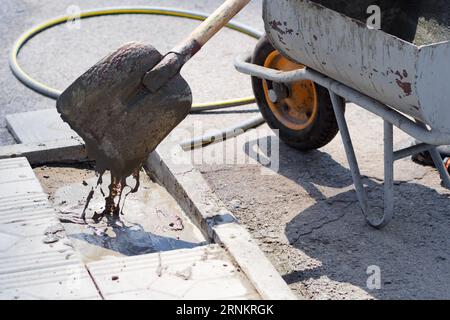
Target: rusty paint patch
(405, 86)
(278, 27)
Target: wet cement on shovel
(113, 200)
(120, 121)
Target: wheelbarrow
(317, 55)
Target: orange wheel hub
(295, 104)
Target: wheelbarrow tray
(401, 74)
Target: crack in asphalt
(398, 182)
(186, 172)
(325, 223)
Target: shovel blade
(120, 121)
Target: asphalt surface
(58, 55)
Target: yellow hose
(54, 93)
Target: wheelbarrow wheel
(301, 113)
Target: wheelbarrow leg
(338, 106)
(388, 174)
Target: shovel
(126, 104)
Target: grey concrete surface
(59, 55)
(307, 219)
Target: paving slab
(190, 274)
(61, 151)
(38, 126)
(194, 196)
(173, 168)
(36, 258)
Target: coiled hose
(53, 93)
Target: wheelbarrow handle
(172, 63)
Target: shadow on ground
(411, 252)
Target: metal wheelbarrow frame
(405, 110)
(429, 139)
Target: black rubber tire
(316, 135)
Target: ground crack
(186, 172)
(324, 224)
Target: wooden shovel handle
(178, 56)
(216, 21)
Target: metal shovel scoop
(127, 103)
